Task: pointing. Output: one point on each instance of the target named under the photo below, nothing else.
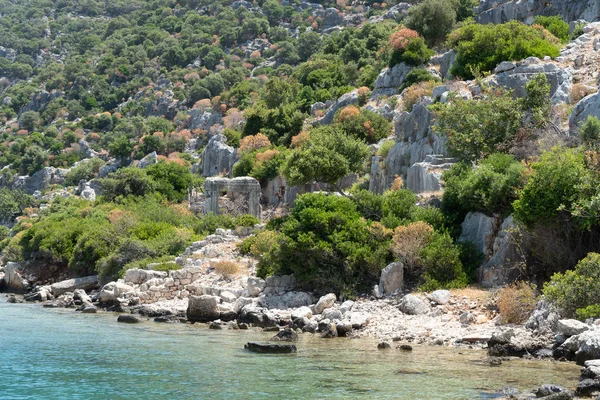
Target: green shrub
(171, 179)
(433, 19)
(385, 148)
(415, 53)
(578, 30)
(417, 75)
(490, 187)
(442, 265)
(555, 25)
(480, 48)
(397, 206)
(589, 132)
(478, 128)
(554, 185)
(366, 125)
(327, 246)
(592, 311)
(537, 100)
(126, 182)
(86, 170)
(13, 202)
(576, 289)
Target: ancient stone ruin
(243, 192)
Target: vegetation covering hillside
(94, 86)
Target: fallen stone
(285, 335)
(270, 348)
(571, 327)
(70, 285)
(413, 305)
(383, 346)
(440, 296)
(203, 308)
(128, 319)
(324, 302)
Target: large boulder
(445, 62)
(390, 79)
(113, 291)
(413, 305)
(257, 316)
(392, 278)
(254, 286)
(324, 302)
(514, 76)
(70, 285)
(589, 106)
(588, 346)
(571, 327)
(217, 157)
(440, 296)
(426, 176)
(203, 120)
(270, 348)
(278, 284)
(203, 308)
(478, 229)
(13, 281)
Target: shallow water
(61, 354)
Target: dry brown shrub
(380, 232)
(233, 118)
(254, 142)
(400, 38)
(264, 242)
(225, 268)
(408, 241)
(579, 91)
(397, 184)
(300, 138)
(266, 156)
(516, 302)
(347, 113)
(414, 93)
(255, 54)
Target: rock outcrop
(345, 100)
(392, 278)
(203, 308)
(86, 283)
(588, 107)
(13, 281)
(390, 79)
(426, 176)
(500, 11)
(218, 157)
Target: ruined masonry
(244, 186)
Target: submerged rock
(203, 308)
(271, 348)
(128, 319)
(285, 335)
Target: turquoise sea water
(61, 354)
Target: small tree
(329, 156)
(590, 132)
(433, 19)
(408, 241)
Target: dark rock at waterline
(587, 387)
(271, 329)
(285, 335)
(383, 346)
(328, 331)
(242, 326)
(227, 316)
(270, 348)
(128, 319)
(203, 308)
(561, 353)
(89, 309)
(560, 396)
(14, 299)
(216, 325)
(404, 347)
(256, 316)
(547, 390)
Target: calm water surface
(61, 354)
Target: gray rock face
(286, 300)
(279, 284)
(88, 193)
(40, 100)
(257, 316)
(477, 228)
(41, 180)
(397, 12)
(445, 62)
(514, 76)
(332, 314)
(500, 11)
(218, 157)
(324, 302)
(254, 286)
(589, 346)
(571, 327)
(392, 278)
(413, 305)
(345, 100)
(426, 176)
(331, 18)
(504, 257)
(414, 142)
(70, 285)
(544, 318)
(13, 281)
(204, 120)
(589, 106)
(390, 79)
(148, 160)
(138, 276)
(203, 308)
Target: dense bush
(408, 242)
(408, 47)
(555, 25)
(417, 75)
(577, 289)
(327, 246)
(433, 19)
(480, 48)
(442, 265)
(589, 132)
(478, 128)
(85, 171)
(12, 203)
(366, 125)
(489, 187)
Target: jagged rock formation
(587, 107)
(345, 100)
(426, 176)
(414, 142)
(499, 11)
(515, 75)
(40, 180)
(389, 80)
(218, 157)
